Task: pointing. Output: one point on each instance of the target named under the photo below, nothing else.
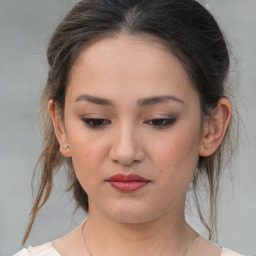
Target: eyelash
(164, 122)
(97, 123)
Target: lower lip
(128, 186)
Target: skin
(160, 141)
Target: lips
(127, 183)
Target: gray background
(25, 27)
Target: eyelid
(168, 121)
(87, 121)
(161, 116)
(94, 116)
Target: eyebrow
(140, 102)
(158, 99)
(93, 99)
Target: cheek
(176, 155)
(87, 163)
(88, 155)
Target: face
(133, 126)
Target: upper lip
(124, 177)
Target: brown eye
(161, 122)
(95, 122)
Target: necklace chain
(184, 254)
(88, 250)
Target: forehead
(140, 63)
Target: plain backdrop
(25, 27)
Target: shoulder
(227, 252)
(203, 247)
(42, 250)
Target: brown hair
(187, 29)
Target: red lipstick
(127, 183)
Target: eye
(96, 122)
(161, 122)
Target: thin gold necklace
(184, 254)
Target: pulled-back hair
(187, 30)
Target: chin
(132, 215)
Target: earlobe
(215, 127)
(59, 128)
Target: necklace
(85, 240)
(184, 254)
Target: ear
(59, 128)
(215, 127)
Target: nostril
(126, 162)
(126, 149)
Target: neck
(165, 235)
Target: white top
(48, 250)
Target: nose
(126, 147)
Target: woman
(135, 107)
